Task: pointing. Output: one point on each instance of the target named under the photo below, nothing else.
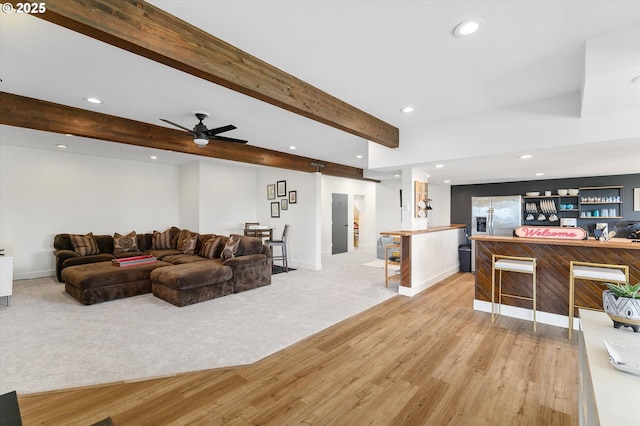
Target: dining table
(259, 232)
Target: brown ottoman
(101, 281)
(193, 282)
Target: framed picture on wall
(636, 200)
(284, 204)
(271, 191)
(275, 209)
(282, 188)
(293, 197)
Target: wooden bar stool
(592, 272)
(523, 265)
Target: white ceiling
(378, 56)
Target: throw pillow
(212, 248)
(161, 240)
(124, 243)
(84, 245)
(231, 247)
(187, 241)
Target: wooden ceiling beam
(21, 111)
(143, 29)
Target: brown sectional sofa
(191, 267)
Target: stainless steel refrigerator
(494, 216)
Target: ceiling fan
(202, 135)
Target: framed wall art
(293, 197)
(284, 204)
(275, 209)
(271, 191)
(282, 188)
(636, 200)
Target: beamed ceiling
(551, 79)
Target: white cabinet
(6, 275)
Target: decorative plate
(624, 357)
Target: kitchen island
(553, 257)
(427, 256)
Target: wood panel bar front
(553, 257)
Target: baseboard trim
(33, 275)
(527, 314)
(414, 290)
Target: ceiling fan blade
(213, 132)
(222, 138)
(177, 125)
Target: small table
(259, 232)
(6, 275)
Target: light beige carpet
(49, 341)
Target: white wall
(43, 193)
(441, 203)
(303, 217)
(388, 211)
(189, 188)
(367, 204)
(227, 198)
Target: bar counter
(427, 256)
(553, 257)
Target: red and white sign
(555, 232)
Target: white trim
(415, 289)
(527, 314)
(33, 275)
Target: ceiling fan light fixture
(200, 139)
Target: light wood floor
(426, 360)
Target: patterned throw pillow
(231, 247)
(187, 241)
(124, 243)
(84, 245)
(212, 248)
(161, 240)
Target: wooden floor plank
(429, 359)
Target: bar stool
(593, 272)
(524, 265)
(282, 243)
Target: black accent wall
(461, 195)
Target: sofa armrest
(62, 255)
(250, 271)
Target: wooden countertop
(409, 233)
(591, 242)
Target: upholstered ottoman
(190, 283)
(102, 281)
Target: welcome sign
(551, 232)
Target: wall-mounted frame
(275, 209)
(271, 191)
(421, 199)
(284, 204)
(636, 199)
(293, 197)
(282, 188)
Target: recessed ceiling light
(467, 27)
(358, 156)
(636, 79)
(292, 147)
(93, 100)
(60, 145)
(526, 156)
(407, 109)
(439, 166)
(447, 181)
(153, 157)
(539, 174)
(396, 175)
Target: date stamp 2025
(27, 8)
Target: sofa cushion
(84, 245)
(187, 241)
(178, 259)
(249, 245)
(161, 240)
(212, 248)
(125, 243)
(231, 247)
(192, 275)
